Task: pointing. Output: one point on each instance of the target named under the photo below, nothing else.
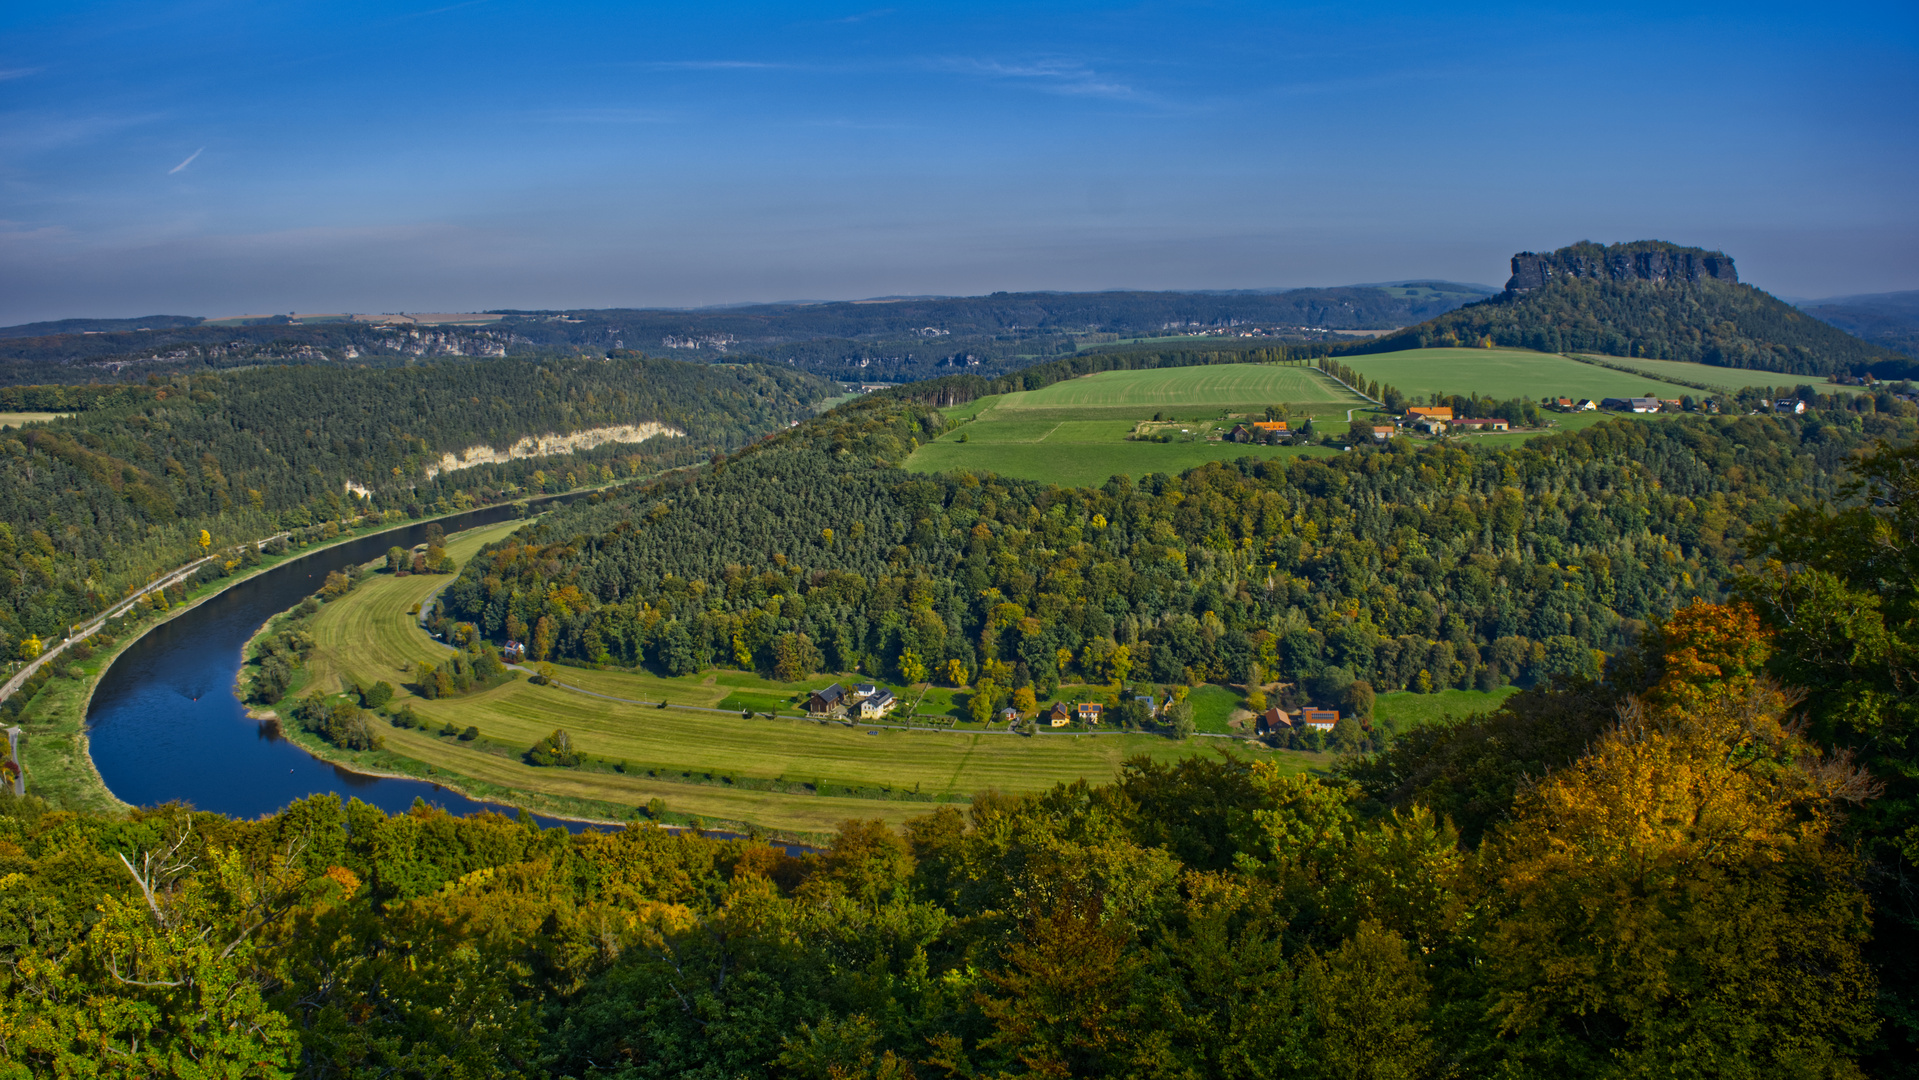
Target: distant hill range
(1888, 319)
(887, 340)
(98, 326)
(1648, 299)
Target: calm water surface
(165, 724)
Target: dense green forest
(1584, 308)
(1656, 873)
(889, 341)
(95, 503)
(1400, 566)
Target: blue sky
(219, 157)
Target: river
(165, 724)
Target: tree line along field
(1074, 433)
(372, 634)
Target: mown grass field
(15, 419)
(1074, 432)
(1727, 379)
(1511, 373)
(1409, 710)
(369, 634)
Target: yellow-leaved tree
(1674, 902)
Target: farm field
(1074, 433)
(1731, 379)
(1405, 709)
(1509, 373)
(369, 634)
(15, 419)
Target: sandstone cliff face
(544, 445)
(1644, 260)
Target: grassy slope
(1509, 373)
(1727, 378)
(1074, 432)
(1410, 710)
(369, 635)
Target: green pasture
(1210, 387)
(1405, 709)
(1213, 708)
(369, 634)
(1509, 373)
(1074, 433)
(1726, 379)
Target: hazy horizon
(218, 159)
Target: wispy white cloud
(18, 73)
(1067, 77)
(862, 16)
(187, 162)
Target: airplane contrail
(187, 162)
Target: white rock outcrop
(546, 445)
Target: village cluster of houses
(1437, 420)
(864, 702)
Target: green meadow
(1075, 432)
(1516, 373)
(706, 763)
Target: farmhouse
(1060, 716)
(1273, 721)
(1318, 719)
(1789, 405)
(877, 704)
(1430, 425)
(1008, 714)
(828, 702)
(1147, 701)
(1564, 404)
(1258, 431)
(1429, 412)
(1089, 711)
(1481, 423)
(514, 652)
(1382, 432)
(1637, 404)
(1585, 405)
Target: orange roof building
(1432, 412)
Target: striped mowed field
(369, 634)
(1224, 386)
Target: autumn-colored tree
(1674, 902)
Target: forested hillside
(1406, 567)
(1616, 308)
(1673, 894)
(1887, 319)
(92, 504)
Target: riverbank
(56, 750)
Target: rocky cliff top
(1641, 260)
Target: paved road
(88, 628)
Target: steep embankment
(1646, 299)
